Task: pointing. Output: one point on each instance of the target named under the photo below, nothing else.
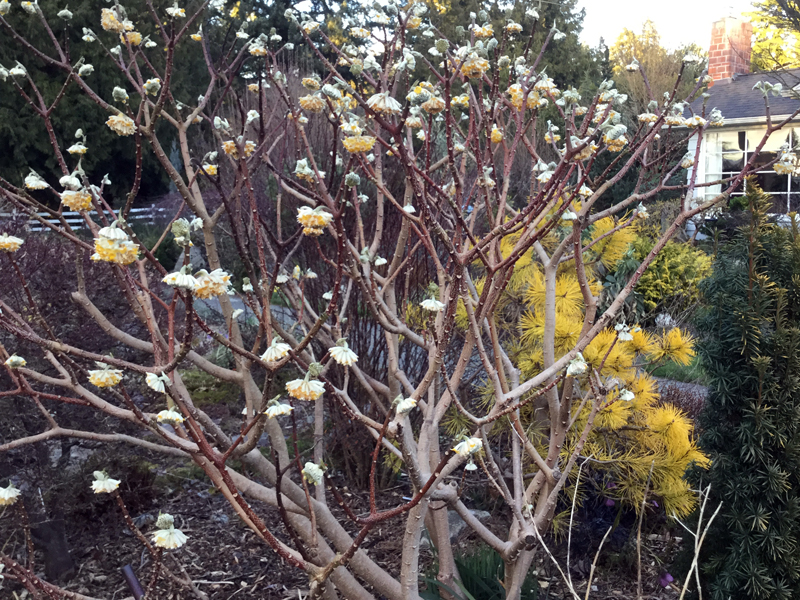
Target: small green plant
(481, 579)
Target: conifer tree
(749, 346)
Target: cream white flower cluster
(787, 162)
(342, 354)
(105, 376)
(113, 245)
(314, 220)
(9, 243)
(166, 536)
(313, 473)
(203, 284)
(103, 484)
(9, 495)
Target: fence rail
(145, 214)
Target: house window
(733, 149)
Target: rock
(220, 517)
(144, 520)
(78, 455)
(455, 524)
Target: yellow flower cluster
(648, 117)
(433, 106)
(413, 22)
(516, 92)
(210, 169)
(303, 389)
(617, 144)
(313, 221)
(312, 103)
(474, 67)
(513, 28)
(79, 200)
(258, 50)
(310, 83)
(253, 87)
(546, 86)
(134, 37)
(105, 377)
(9, 243)
(358, 143)
(587, 152)
(551, 138)
(121, 125)
(212, 284)
(497, 135)
(461, 101)
(350, 128)
(229, 147)
(414, 122)
(121, 252)
(359, 32)
(484, 32)
(110, 21)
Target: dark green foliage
(750, 348)
(481, 579)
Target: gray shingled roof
(737, 99)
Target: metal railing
(145, 214)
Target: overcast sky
(678, 21)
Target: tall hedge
(750, 347)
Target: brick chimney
(729, 54)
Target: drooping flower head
(105, 376)
(216, 283)
(468, 446)
(432, 305)
(358, 143)
(113, 245)
(9, 243)
(307, 388)
(474, 66)
(157, 382)
(103, 484)
(313, 473)
(313, 220)
(172, 416)
(277, 350)
(404, 406)
(9, 495)
(76, 200)
(182, 280)
(342, 354)
(33, 181)
(167, 537)
(384, 104)
(577, 366)
(278, 409)
(15, 362)
(121, 125)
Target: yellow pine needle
(531, 325)
(675, 345)
(613, 247)
(643, 342)
(569, 299)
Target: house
(724, 150)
